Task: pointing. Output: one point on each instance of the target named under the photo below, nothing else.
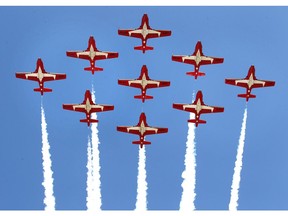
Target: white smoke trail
(89, 188)
(141, 199)
(47, 183)
(95, 198)
(238, 167)
(189, 173)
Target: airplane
(41, 76)
(88, 107)
(144, 32)
(198, 107)
(92, 54)
(249, 82)
(197, 59)
(144, 83)
(142, 129)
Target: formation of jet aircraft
(88, 107)
(142, 129)
(198, 107)
(144, 32)
(249, 82)
(40, 76)
(144, 82)
(197, 59)
(92, 54)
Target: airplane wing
(244, 83)
(184, 107)
(82, 107)
(158, 33)
(264, 83)
(107, 55)
(78, 54)
(99, 55)
(136, 83)
(211, 60)
(51, 77)
(127, 129)
(129, 83)
(211, 109)
(136, 130)
(181, 58)
(75, 107)
(157, 84)
(46, 76)
(190, 59)
(130, 33)
(204, 108)
(29, 76)
(101, 108)
(155, 130)
(237, 82)
(137, 33)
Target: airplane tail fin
(143, 48)
(195, 74)
(141, 143)
(88, 121)
(143, 97)
(197, 121)
(43, 90)
(247, 96)
(93, 69)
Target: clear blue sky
(242, 35)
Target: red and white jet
(197, 59)
(88, 107)
(144, 32)
(92, 54)
(198, 107)
(249, 82)
(144, 83)
(41, 76)
(142, 129)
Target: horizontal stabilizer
(43, 90)
(197, 121)
(143, 97)
(88, 121)
(247, 96)
(143, 48)
(195, 74)
(139, 142)
(93, 69)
